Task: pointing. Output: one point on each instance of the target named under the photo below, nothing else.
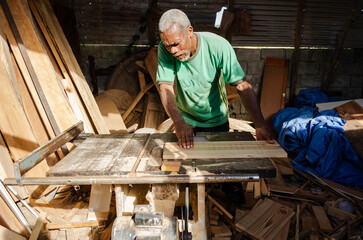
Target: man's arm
(183, 130)
(249, 100)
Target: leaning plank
(274, 87)
(25, 75)
(224, 149)
(8, 234)
(151, 62)
(111, 114)
(14, 125)
(322, 218)
(70, 62)
(16, 130)
(76, 102)
(40, 67)
(8, 220)
(220, 207)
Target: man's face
(178, 43)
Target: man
(198, 65)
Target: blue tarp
(318, 140)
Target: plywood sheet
(273, 87)
(224, 149)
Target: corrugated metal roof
(273, 22)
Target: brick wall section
(313, 65)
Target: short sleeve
(165, 72)
(231, 69)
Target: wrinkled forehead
(171, 36)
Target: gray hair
(174, 17)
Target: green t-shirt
(201, 96)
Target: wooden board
(332, 105)
(71, 64)
(110, 114)
(273, 87)
(42, 66)
(353, 113)
(224, 149)
(8, 234)
(266, 220)
(154, 113)
(8, 220)
(322, 218)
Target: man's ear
(190, 31)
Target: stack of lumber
(301, 207)
(43, 90)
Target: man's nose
(174, 49)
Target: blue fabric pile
(318, 139)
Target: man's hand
(183, 130)
(185, 135)
(249, 100)
(265, 133)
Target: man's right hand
(185, 135)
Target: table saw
(123, 159)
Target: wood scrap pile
(43, 91)
(297, 206)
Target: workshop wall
(313, 65)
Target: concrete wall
(313, 65)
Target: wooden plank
(100, 198)
(40, 68)
(70, 62)
(170, 166)
(33, 114)
(8, 220)
(154, 111)
(151, 62)
(136, 100)
(257, 190)
(332, 105)
(340, 214)
(26, 76)
(224, 149)
(322, 218)
(141, 75)
(250, 186)
(63, 76)
(14, 125)
(220, 207)
(51, 226)
(273, 87)
(8, 234)
(38, 227)
(110, 114)
(264, 190)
